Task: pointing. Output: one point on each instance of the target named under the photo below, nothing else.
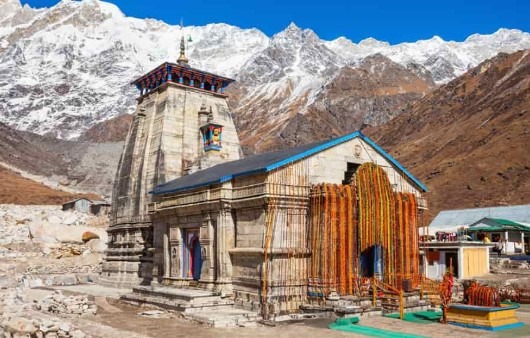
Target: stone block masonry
(164, 142)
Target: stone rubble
(38, 328)
(18, 320)
(43, 246)
(59, 304)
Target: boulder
(77, 334)
(54, 219)
(70, 219)
(65, 327)
(88, 235)
(42, 234)
(96, 245)
(20, 325)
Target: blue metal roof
(267, 162)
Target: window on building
(349, 175)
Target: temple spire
(182, 60)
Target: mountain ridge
(69, 66)
(468, 139)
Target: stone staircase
(226, 318)
(196, 304)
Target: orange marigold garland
(376, 214)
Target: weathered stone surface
(70, 219)
(96, 245)
(164, 143)
(44, 224)
(20, 325)
(77, 334)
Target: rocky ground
(42, 246)
(50, 260)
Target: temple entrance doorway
(192, 254)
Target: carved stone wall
(163, 143)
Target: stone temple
(178, 107)
(272, 233)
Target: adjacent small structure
(86, 205)
(469, 259)
(484, 317)
(100, 208)
(451, 220)
(515, 235)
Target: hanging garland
(334, 262)
(349, 220)
(376, 215)
(406, 242)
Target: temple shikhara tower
(182, 124)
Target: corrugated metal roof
(266, 162)
(465, 217)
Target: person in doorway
(499, 246)
(486, 239)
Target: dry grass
(15, 189)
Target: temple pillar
(225, 242)
(166, 252)
(176, 252)
(207, 240)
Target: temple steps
(226, 318)
(195, 304)
(177, 299)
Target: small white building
(513, 235)
(510, 223)
(468, 259)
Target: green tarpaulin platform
(421, 317)
(351, 325)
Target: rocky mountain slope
(468, 140)
(66, 68)
(373, 92)
(69, 166)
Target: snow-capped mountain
(65, 68)
(68, 67)
(445, 60)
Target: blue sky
(387, 20)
